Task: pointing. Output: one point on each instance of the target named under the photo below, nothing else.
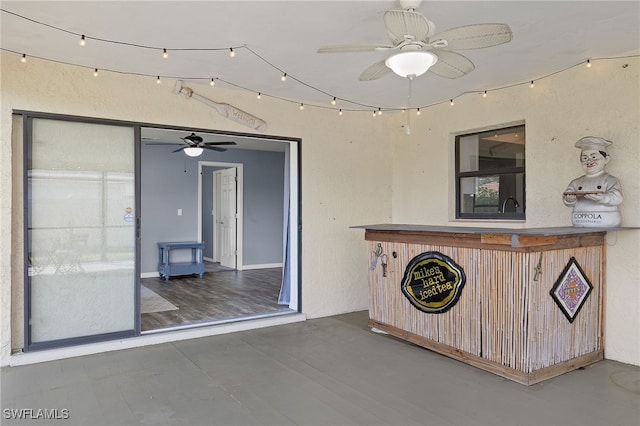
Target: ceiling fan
(193, 145)
(417, 50)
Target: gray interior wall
(169, 181)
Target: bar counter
(506, 317)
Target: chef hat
(593, 142)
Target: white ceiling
(548, 36)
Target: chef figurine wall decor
(595, 196)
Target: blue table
(166, 268)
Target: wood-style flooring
(220, 295)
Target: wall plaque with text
(433, 282)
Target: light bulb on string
(340, 111)
(418, 111)
(333, 101)
(165, 54)
(284, 77)
(213, 82)
(301, 107)
(259, 95)
(374, 113)
(588, 63)
(379, 111)
(95, 72)
(451, 102)
(82, 41)
(232, 53)
(24, 58)
(531, 85)
(484, 95)
(158, 80)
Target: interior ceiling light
(193, 151)
(412, 63)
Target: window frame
(459, 175)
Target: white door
(216, 216)
(228, 222)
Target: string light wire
(285, 75)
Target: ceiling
(271, 38)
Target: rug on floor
(150, 301)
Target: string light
(340, 111)
(301, 107)
(212, 83)
(379, 111)
(259, 95)
(83, 40)
(374, 113)
(451, 102)
(95, 72)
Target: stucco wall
(361, 170)
(345, 178)
(603, 100)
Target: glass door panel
(81, 233)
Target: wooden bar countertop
(517, 239)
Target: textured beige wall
(603, 100)
(361, 170)
(346, 169)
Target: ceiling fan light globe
(193, 151)
(411, 63)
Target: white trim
(262, 266)
(208, 259)
(151, 339)
(239, 204)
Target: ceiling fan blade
(474, 36)
(346, 48)
(400, 23)
(451, 65)
(374, 72)
(180, 149)
(161, 143)
(218, 143)
(214, 148)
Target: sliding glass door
(81, 232)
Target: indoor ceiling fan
(193, 145)
(416, 49)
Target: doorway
(234, 202)
(220, 190)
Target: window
(490, 174)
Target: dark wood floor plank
(221, 294)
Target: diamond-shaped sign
(571, 290)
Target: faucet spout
(504, 203)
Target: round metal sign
(433, 282)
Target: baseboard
(262, 266)
(149, 275)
